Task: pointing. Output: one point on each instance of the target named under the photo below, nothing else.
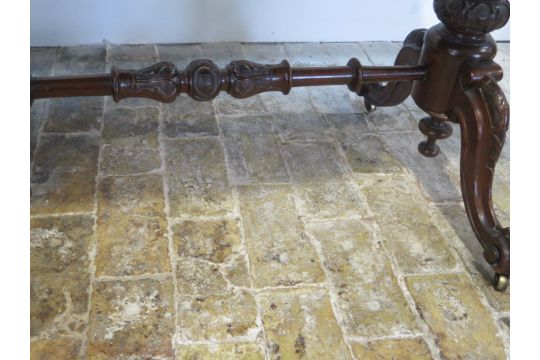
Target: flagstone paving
(276, 227)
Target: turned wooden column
(461, 87)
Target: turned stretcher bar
(202, 80)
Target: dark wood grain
(462, 87)
(202, 80)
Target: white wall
(72, 22)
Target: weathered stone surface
(300, 324)
(454, 223)
(432, 173)
(226, 351)
(80, 60)
(369, 300)
(452, 310)
(60, 348)
(503, 59)
(307, 54)
(264, 53)
(402, 349)
(237, 273)
(188, 118)
(501, 189)
(60, 275)
(252, 150)
(131, 245)
(381, 53)
(336, 100)
(65, 114)
(322, 186)
(406, 225)
(341, 52)
(131, 319)
(368, 154)
(348, 126)
(280, 253)
(306, 126)
(451, 147)
(217, 317)
(38, 114)
(506, 322)
(314, 162)
(130, 141)
(42, 60)
(142, 52)
(131, 196)
(395, 118)
(212, 240)
(214, 266)
(197, 178)
(297, 101)
(504, 325)
(222, 53)
(179, 54)
(63, 176)
(227, 105)
(218, 246)
(329, 200)
(196, 277)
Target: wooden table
(448, 70)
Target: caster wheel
(369, 106)
(500, 282)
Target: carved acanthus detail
(500, 119)
(159, 82)
(473, 16)
(484, 76)
(247, 78)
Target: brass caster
(500, 282)
(369, 106)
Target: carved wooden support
(448, 69)
(159, 82)
(481, 109)
(394, 93)
(462, 87)
(202, 80)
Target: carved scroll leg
(482, 111)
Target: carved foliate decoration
(247, 78)
(204, 80)
(484, 76)
(159, 82)
(499, 121)
(473, 16)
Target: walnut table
(448, 70)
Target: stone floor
(276, 227)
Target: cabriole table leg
(462, 87)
